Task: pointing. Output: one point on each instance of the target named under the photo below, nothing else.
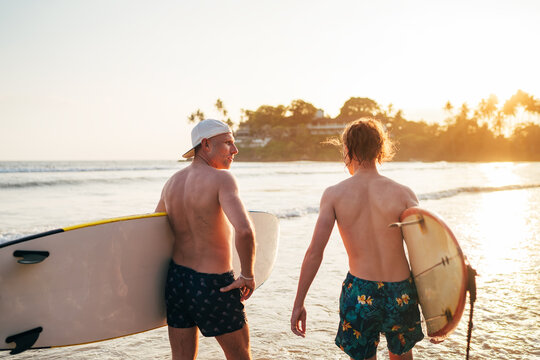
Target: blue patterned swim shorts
(194, 299)
(368, 308)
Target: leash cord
(471, 274)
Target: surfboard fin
(30, 256)
(24, 340)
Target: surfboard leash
(471, 288)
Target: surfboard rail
(439, 268)
(79, 226)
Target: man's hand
(298, 321)
(246, 287)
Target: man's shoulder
(211, 175)
(176, 177)
(223, 174)
(223, 179)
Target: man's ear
(205, 143)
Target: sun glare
(502, 225)
(499, 174)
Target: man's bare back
(202, 232)
(202, 203)
(364, 206)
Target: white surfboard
(439, 269)
(97, 281)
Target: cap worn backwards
(205, 130)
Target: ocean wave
(73, 182)
(10, 236)
(296, 212)
(473, 189)
(25, 170)
(23, 167)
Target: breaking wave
(473, 189)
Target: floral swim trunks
(194, 299)
(367, 308)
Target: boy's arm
(312, 262)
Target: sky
(117, 79)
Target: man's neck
(199, 159)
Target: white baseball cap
(205, 130)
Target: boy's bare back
(364, 206)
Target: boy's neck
(364, 167)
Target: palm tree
(487, 109)
(499, 123)
(448, 107)
(390, 110)
(464, 111)
(196, 115)
(221, 109)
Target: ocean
(492, 208)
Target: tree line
(493, 131)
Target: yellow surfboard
(97, 281)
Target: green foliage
(357, 107)
(280, 150)
(264, 119)
(301, 113)
(526, 142)
(481, 134)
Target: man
(202, 203)
(378, 294)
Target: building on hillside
(242, 132)
(244, 139)
(322, 125)
(326, 126)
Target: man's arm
(244, 235)
(161, 206)
(312, 262)
(161, 203)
